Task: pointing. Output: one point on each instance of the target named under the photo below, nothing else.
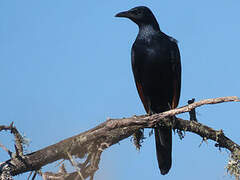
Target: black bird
(157, 71)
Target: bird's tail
(163, 139)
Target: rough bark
(92, 142)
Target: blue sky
(65, 67)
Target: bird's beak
(125, 14)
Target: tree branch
(94, 141)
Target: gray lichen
(233, 166)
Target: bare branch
(6, 149)
(94, 141)
(17, 136)
(75, 165)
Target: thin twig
(34, 175)
(114, 130)
(6, 149)
(192, 106)
(75, 165)
(17, 136)
(30, 174)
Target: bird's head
(141, 15)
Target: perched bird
(157, 71)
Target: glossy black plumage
(157, 71)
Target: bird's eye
(137, 12)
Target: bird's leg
(173, 118)
(173, 124)
(150, 112)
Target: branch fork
(93, 142)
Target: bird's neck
(147, 31)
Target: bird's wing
(138, 83)
(176, 70)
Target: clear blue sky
(65, 67)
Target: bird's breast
(150, 52)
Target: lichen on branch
(92, 143)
